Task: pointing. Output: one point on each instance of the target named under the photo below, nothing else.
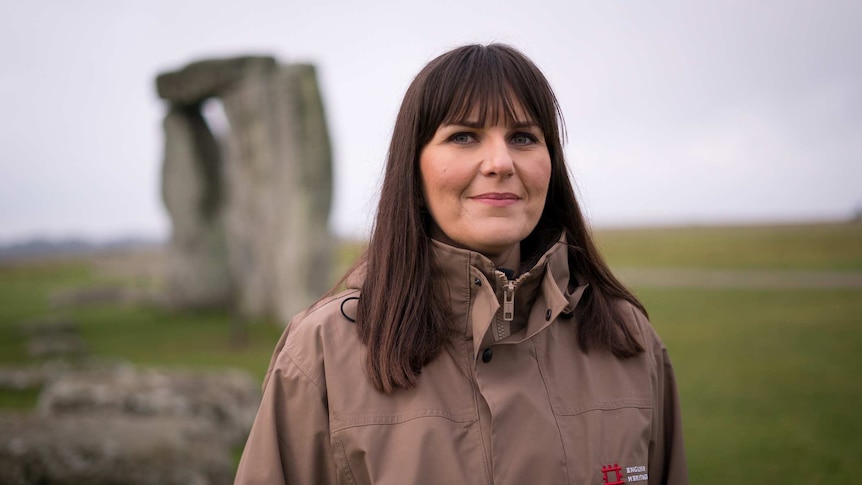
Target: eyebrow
(477, 125)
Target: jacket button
(477, 282)
(487, 355)
(548, 314)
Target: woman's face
(485, 186)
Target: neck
(510, 258)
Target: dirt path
(755, 279)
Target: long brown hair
(401, 316)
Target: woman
(482, 338)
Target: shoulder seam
(317, 384)
(289, 345)
(326, 301)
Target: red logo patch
(618, 475)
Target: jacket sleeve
(289, 441)
(667, 462)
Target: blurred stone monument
(249, 213)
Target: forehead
(485, 109)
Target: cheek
(443, 183)
(432, 188)
(538, 177)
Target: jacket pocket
(606, 441)
(422, 450)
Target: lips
(497, 199)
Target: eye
(523, 138)
(462, 138)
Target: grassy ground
(819, 247)
(768, 378)
(769, 381)
(135, 333)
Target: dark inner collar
(510, 273)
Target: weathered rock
(279, 176)
(57, 346)
(21, 377)
(110, 449)
(35, 376)
(197, 272)
(54, 338)
(272, 193)
(87, 295)
(50, 326)
(227, 401)
(304, 247)
(98, 294)
(205, 79)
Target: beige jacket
(506, 402)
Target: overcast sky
(677, 112)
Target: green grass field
(769, 381)
(769, 378)
(134, 333)
(817, 247)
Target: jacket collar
(477, 292)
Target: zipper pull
(509, 301)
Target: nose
(497, 157)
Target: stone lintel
(203, 79)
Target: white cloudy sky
(677, 112)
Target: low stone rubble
(100, 424)
(95, 449)
(54, 338)
(228, 400)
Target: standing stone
(197, 272)
(269, 191)
(307, 227)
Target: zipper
(509, 301)
(509, 287)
